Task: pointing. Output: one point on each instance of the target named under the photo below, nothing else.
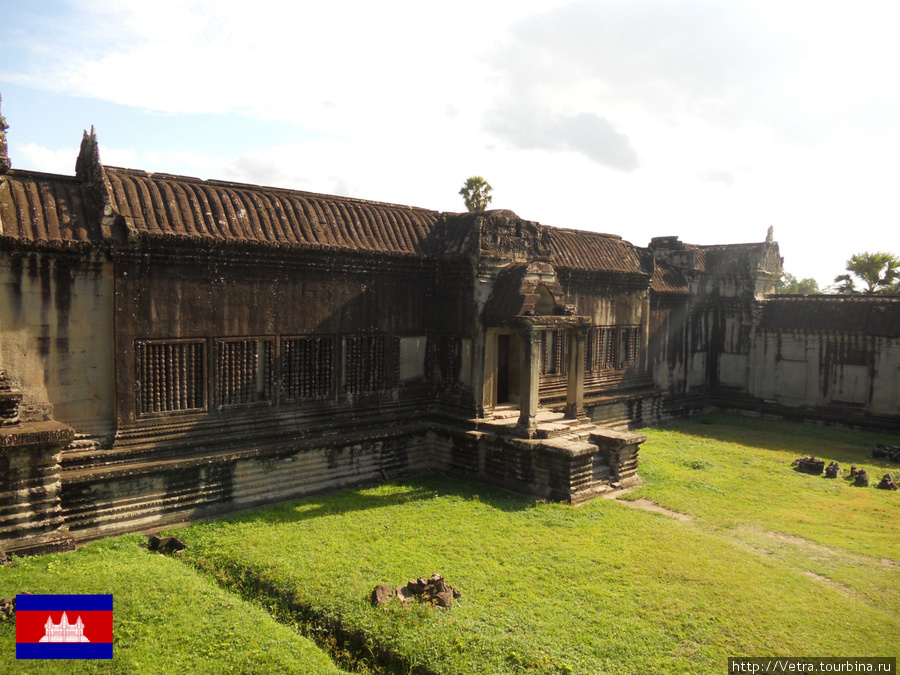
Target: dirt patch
(831, 583)
(826, 551)
(647, 505)
(815, 551)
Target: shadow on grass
(845, 446)
(393, 493)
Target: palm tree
(879, 271)
(476, 194)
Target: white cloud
(530, 127)
(717, 119)
(38, 158)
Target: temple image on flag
(64, 631)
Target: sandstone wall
(847, 373)
(56, 316)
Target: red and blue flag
(64, 626)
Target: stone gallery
(174, 348)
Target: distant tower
(4, 152)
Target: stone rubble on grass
(887, 483)
(381, 595)
(166, 545)
(833, 470)
(860, 478)
(8, 606)
(888, 452)
(434, 590)
(809, 465)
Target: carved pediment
(505, 236)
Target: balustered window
(631, 344)
(607, 348)
(554, 347)
(614, 347)
(363, 364)
(243, 371)
(170, 376)
(308, 367)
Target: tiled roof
(593, 251)
(870, 314)
(160, 205)
(44, 208)
(58, 210)
(668, 280)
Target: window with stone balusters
(244, 371)
(307, 365)
(170, 376)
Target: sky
(707, 120)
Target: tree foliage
(879, 271)
(791, 285)
(476, 193)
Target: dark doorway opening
(502, 369)
(509, 360)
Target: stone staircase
(600, 458)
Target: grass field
(770, 562)
(168, 618)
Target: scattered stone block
(381, 595)
(887, 483)
(888, 452)
(833, 470)
(861, 479)
(8, 606)
(810, 465)
(435, 590)
(167, 545)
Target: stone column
(577, 336)
(488, 377)
(530, 380)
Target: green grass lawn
(772, 562)
(168, 618)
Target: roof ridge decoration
(89, 169)
(504, 237)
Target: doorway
(509, 359)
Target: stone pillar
(488, 370)
(577, 336)
(530, 381)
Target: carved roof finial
(88, 164)
(4, 151)
(770, 235)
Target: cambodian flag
(64, 626)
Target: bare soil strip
(647, 505)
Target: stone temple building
(175, 348)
